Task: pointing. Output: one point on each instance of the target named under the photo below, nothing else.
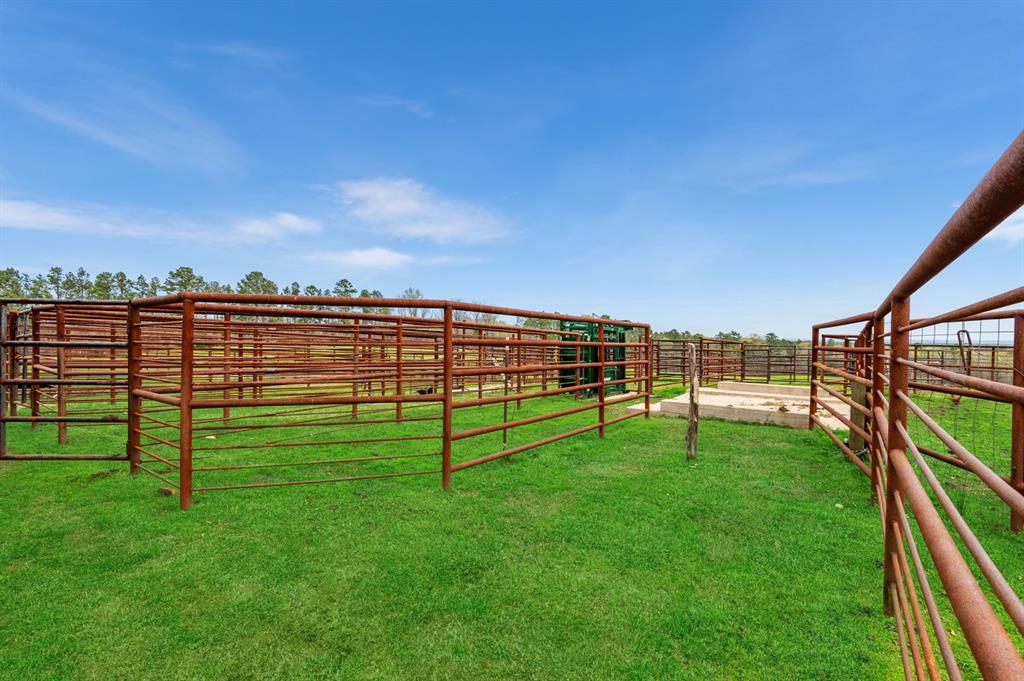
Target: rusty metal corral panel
(190, 373)
(895, 374)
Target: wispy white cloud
(135, 116)
(407, 208)
(274, 227)
(104, 221)
(746, 163)
(450, 260)
(417, 107)
(368, 258)
(1011, 230)
(253, 55)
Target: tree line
(69, 284)
(59, 283)
(755, 338)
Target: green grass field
(583, 559)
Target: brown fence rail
(885, 378)
(232, 391)
(63, 363)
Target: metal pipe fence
(975, 352)
(727, 360)
(64, 363)
(233, 391)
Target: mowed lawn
(584, 559)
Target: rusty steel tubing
(185, 404)
(911, 595)
(850, 425)
(522, 448)
(904, 610)
(275, 299)
(997, 657)
(1007, 392)
(287, 483)
(483, 430)
(953, 390)
(323, 462)
(842, 445)
(994, 482)
(1004, 592)
(323, 400)
(843, 398)
(844, 374)
(946, 650)
(64, 457)
(446, 446)
(967, 312)
(515, 397)
(999, 194)
(853, 319)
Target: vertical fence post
(34, 394)
(111, 371)
(11, 334)
(504, 403)
(62, 391)
(694, 410)
(398, 368)
(877, 390)
(355, 364)
(480, 364)
(134, 384)
(899, 348)
(185, 407)
(519, 364)
(649, 386)
(3, 386)
(600, 378)
(449, 392)
(1017, 429)
(227, 363)
(815, 337)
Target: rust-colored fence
(63, 363)
(227, 391)
(885, 378)
(727, 360)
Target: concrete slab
(766, 388)
(737, 405)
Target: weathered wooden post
(691, 432)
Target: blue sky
(698, 166)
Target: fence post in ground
(3, 386)
(899, 348)
(185, 404)
(446, 434)
(34, 393)
(649, 384)
(1017, 429)
(226, 412)
(134, 384)
(399, 387)
(691, 431)
(11, 334)
(858, 393)
(815, 334)
(62, 391)
(878, 454)
(600, 379)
